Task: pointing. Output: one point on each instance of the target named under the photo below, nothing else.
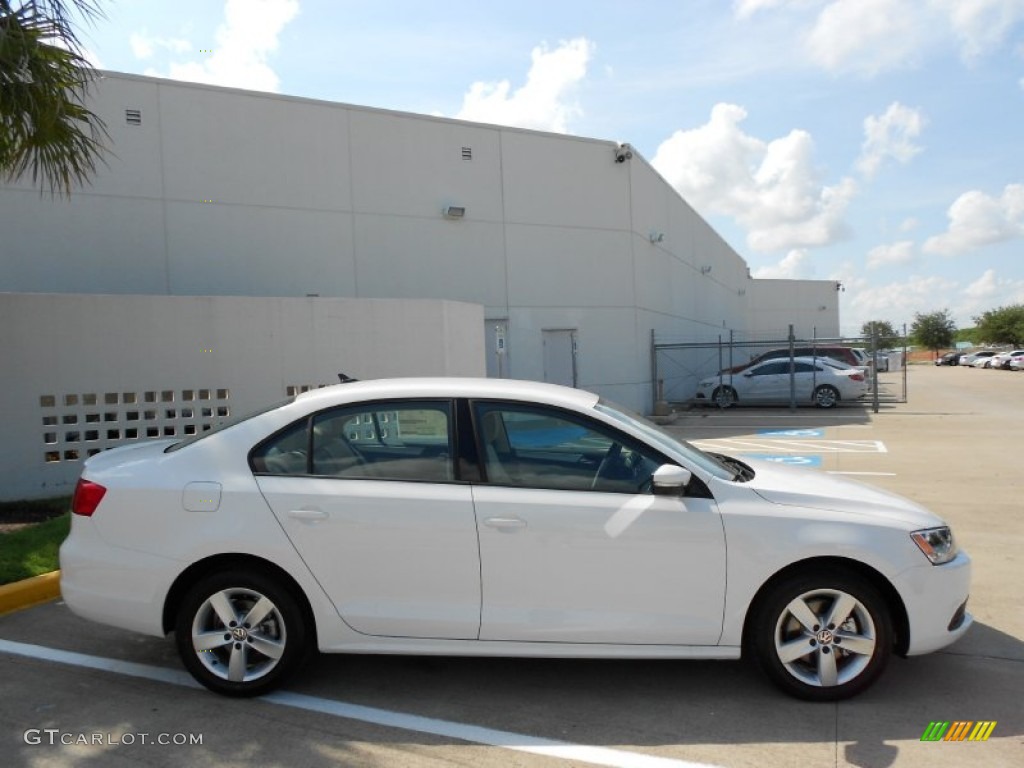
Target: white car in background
(977, 359)
(488, 517)
(1002, 360)
(1017, 362)
(819, 381)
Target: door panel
(395, 558)
(589, 567)
(573, 546)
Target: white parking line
(471, 733)
(792, 446)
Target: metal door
(560, 356)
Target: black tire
(826, 396)
(801, 659)
(264, 654)
(724, 396)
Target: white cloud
(977, 219)
(544, 102)
(896, 302)
(244, 42)
(144, 45)
(795, 265)
(867, 35)
(894, 253)
(990, 291)
(872, 36)
(981, 25)
(772, 188)
(909, 225)
(890, 134)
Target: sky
(877, 143)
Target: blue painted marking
(791, 432)
(798, 461)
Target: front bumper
(935, 598)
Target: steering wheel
(613, 453)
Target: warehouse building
(521, 254)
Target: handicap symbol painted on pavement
(791, 432)
(799, 461)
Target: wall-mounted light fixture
(623, 152)
(453, 211)
(657, 237)
(822, 307)
(839, 287)
(706, 270)
(741, 292)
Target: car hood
(813, 489)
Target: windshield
(222, 425)
(660, 438)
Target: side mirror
(670, 480)
(748, 374)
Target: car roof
(800, 359)
(501, 389)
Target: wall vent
(467, 153)
(133, 116)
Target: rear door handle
(308, 515)
(505, 523)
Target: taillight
(857, 377)
(88, 496)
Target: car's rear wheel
(239, 633)
(822, 636)
(724, 396)
(826, 396)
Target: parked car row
(985, 358)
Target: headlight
(937, 544)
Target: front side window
(537, 447)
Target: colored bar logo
(958, 730)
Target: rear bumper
(112, 585)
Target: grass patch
(32, 551)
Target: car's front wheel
(822, 636)
(239, 633)
(724, 396)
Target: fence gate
(679, 365)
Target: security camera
(623, 152)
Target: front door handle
(308, 515)
(505, 523)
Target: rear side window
(380, 441)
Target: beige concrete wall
(166, 365)
(233, 193)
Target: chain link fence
(679, 365)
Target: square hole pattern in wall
(125, 418)
(297, 389)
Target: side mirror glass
(670, 480)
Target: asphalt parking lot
(81, 694)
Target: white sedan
(500, 518)
(817, 380)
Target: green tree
(46, 130)
(1004, 325)
(888, 337)
(933, 330)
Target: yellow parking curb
(29, 592)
